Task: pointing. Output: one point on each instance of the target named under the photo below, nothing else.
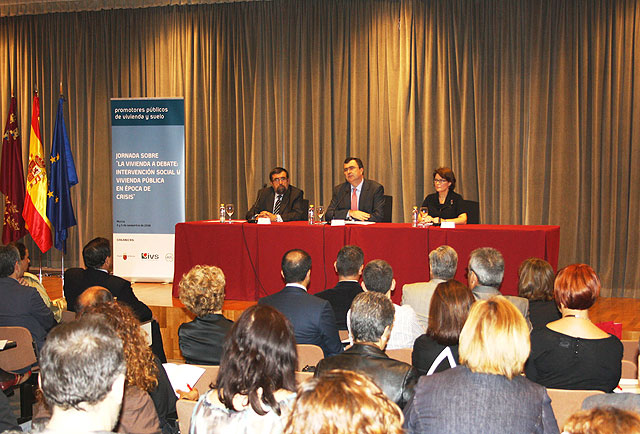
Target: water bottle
(221, 213)
(312, 215)
(414, 217)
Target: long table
(250, 254)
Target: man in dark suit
(281, 202)
(348, 265)
(22, 305)
(357, 198)
(372, 317)
(97, 259)
(312, 318)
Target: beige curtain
(532, 103)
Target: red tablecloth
(250, 254)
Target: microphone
(255, 204)
(342, 195)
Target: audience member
(348, 265)
(27, 279)
(485, 273)
(202, 292)
(377, 276)
(535, 283)
(572, 352)
(23, 306)
(437, 350)
(92, 296)
(486, 393)
(343, 402)
(256, 384)
(82, 376)
(371, 321)
(98, 262)
(605, 420)
(357, 198)
(312, 317)
(443, 263)
(142, 389)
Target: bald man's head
(92, 296)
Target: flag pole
(40, 266)
(62, 269)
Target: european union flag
(62, 176)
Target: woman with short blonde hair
(202, 292)
(486, 392)
(343, 402)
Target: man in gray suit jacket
(357, 198)
(443, 263)
(486, 270)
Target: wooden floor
(170, 313)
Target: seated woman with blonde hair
(486, 393)
(202, 292)
(343, 402)
(572, 352)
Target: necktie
(354, 200)
(276, 208)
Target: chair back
(629, 369)
(630, 351)
(566, 402)
(472, 208)
(402, 354)
(344, 335)
(303, 376)
(387, 210)
(68, 316)
(308, 355)
(184, 407)
(23, 355)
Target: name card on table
(264, 221)
(337, 222)
(448, 225)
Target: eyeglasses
(282, 179)
(439, 181)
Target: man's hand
(267, 214)
(359, 215)
(192, 395)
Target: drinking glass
(320, 212)
(230, 210)
(424, 211)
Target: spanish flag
(35, 204)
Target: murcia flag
(12, 179)
(35, 203)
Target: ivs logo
(150, 256)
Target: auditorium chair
(17, 359)
(388, 209)
(402, 354)
(308, 355)
(566, 402)
(472, 208)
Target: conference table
(250, 254)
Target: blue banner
(148, 184)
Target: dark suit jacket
(22, 306)
(201, 339)
(290, 209)
(371, 201)
(76, 280)
(396, 379)
(340, 298)
(312, 318)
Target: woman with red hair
(572, 352)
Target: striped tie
(276, 208)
